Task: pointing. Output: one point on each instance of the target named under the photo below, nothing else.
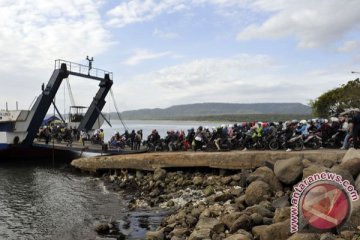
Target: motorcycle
(279, 142)
(312, 141)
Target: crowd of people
(340, 131)
(337, 132)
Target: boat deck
(86, 150)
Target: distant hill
(210, 110)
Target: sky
(172, 52)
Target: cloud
(41, 30)
(144, 54)
(35, 33)
(349, 46)
(134, 11)
(313, 23)
(213, 79)
(164, 34)
(244, 78)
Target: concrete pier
(221, 160)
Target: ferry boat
(19, 128)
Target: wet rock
(278, 231)
(289, 171)
(102, 228)
(305, 236)
(243, 222)
(238, 237)
(201, 234)
(159, 174)
(256, 192)
(155, 235)
(281, 202)
(267, 175)
(281, 214)
(230, 218)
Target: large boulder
(243, 222)
(344, 173)
(267, 175)
(351, 162)
(278, 231)
(155, 235)
(312, 169)
(281, 214)
(210, 223)
(238, 236)
(354, 220)
(305, 236)
(288, 171)
(201, 234)
(357, 183)
(256, 192)
(261, 210)
(229, 219)
(280, 202)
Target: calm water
(46, 202)
(56, 203)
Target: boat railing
(83, 70)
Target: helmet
(302, 122)
(334, 119)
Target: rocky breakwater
(234, 205)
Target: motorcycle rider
(356, 128)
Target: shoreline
(230, 204)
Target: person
(137, 140)
(349, 129)
(132, 139)
(83, 136)
(101, 135)
(356, 128)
